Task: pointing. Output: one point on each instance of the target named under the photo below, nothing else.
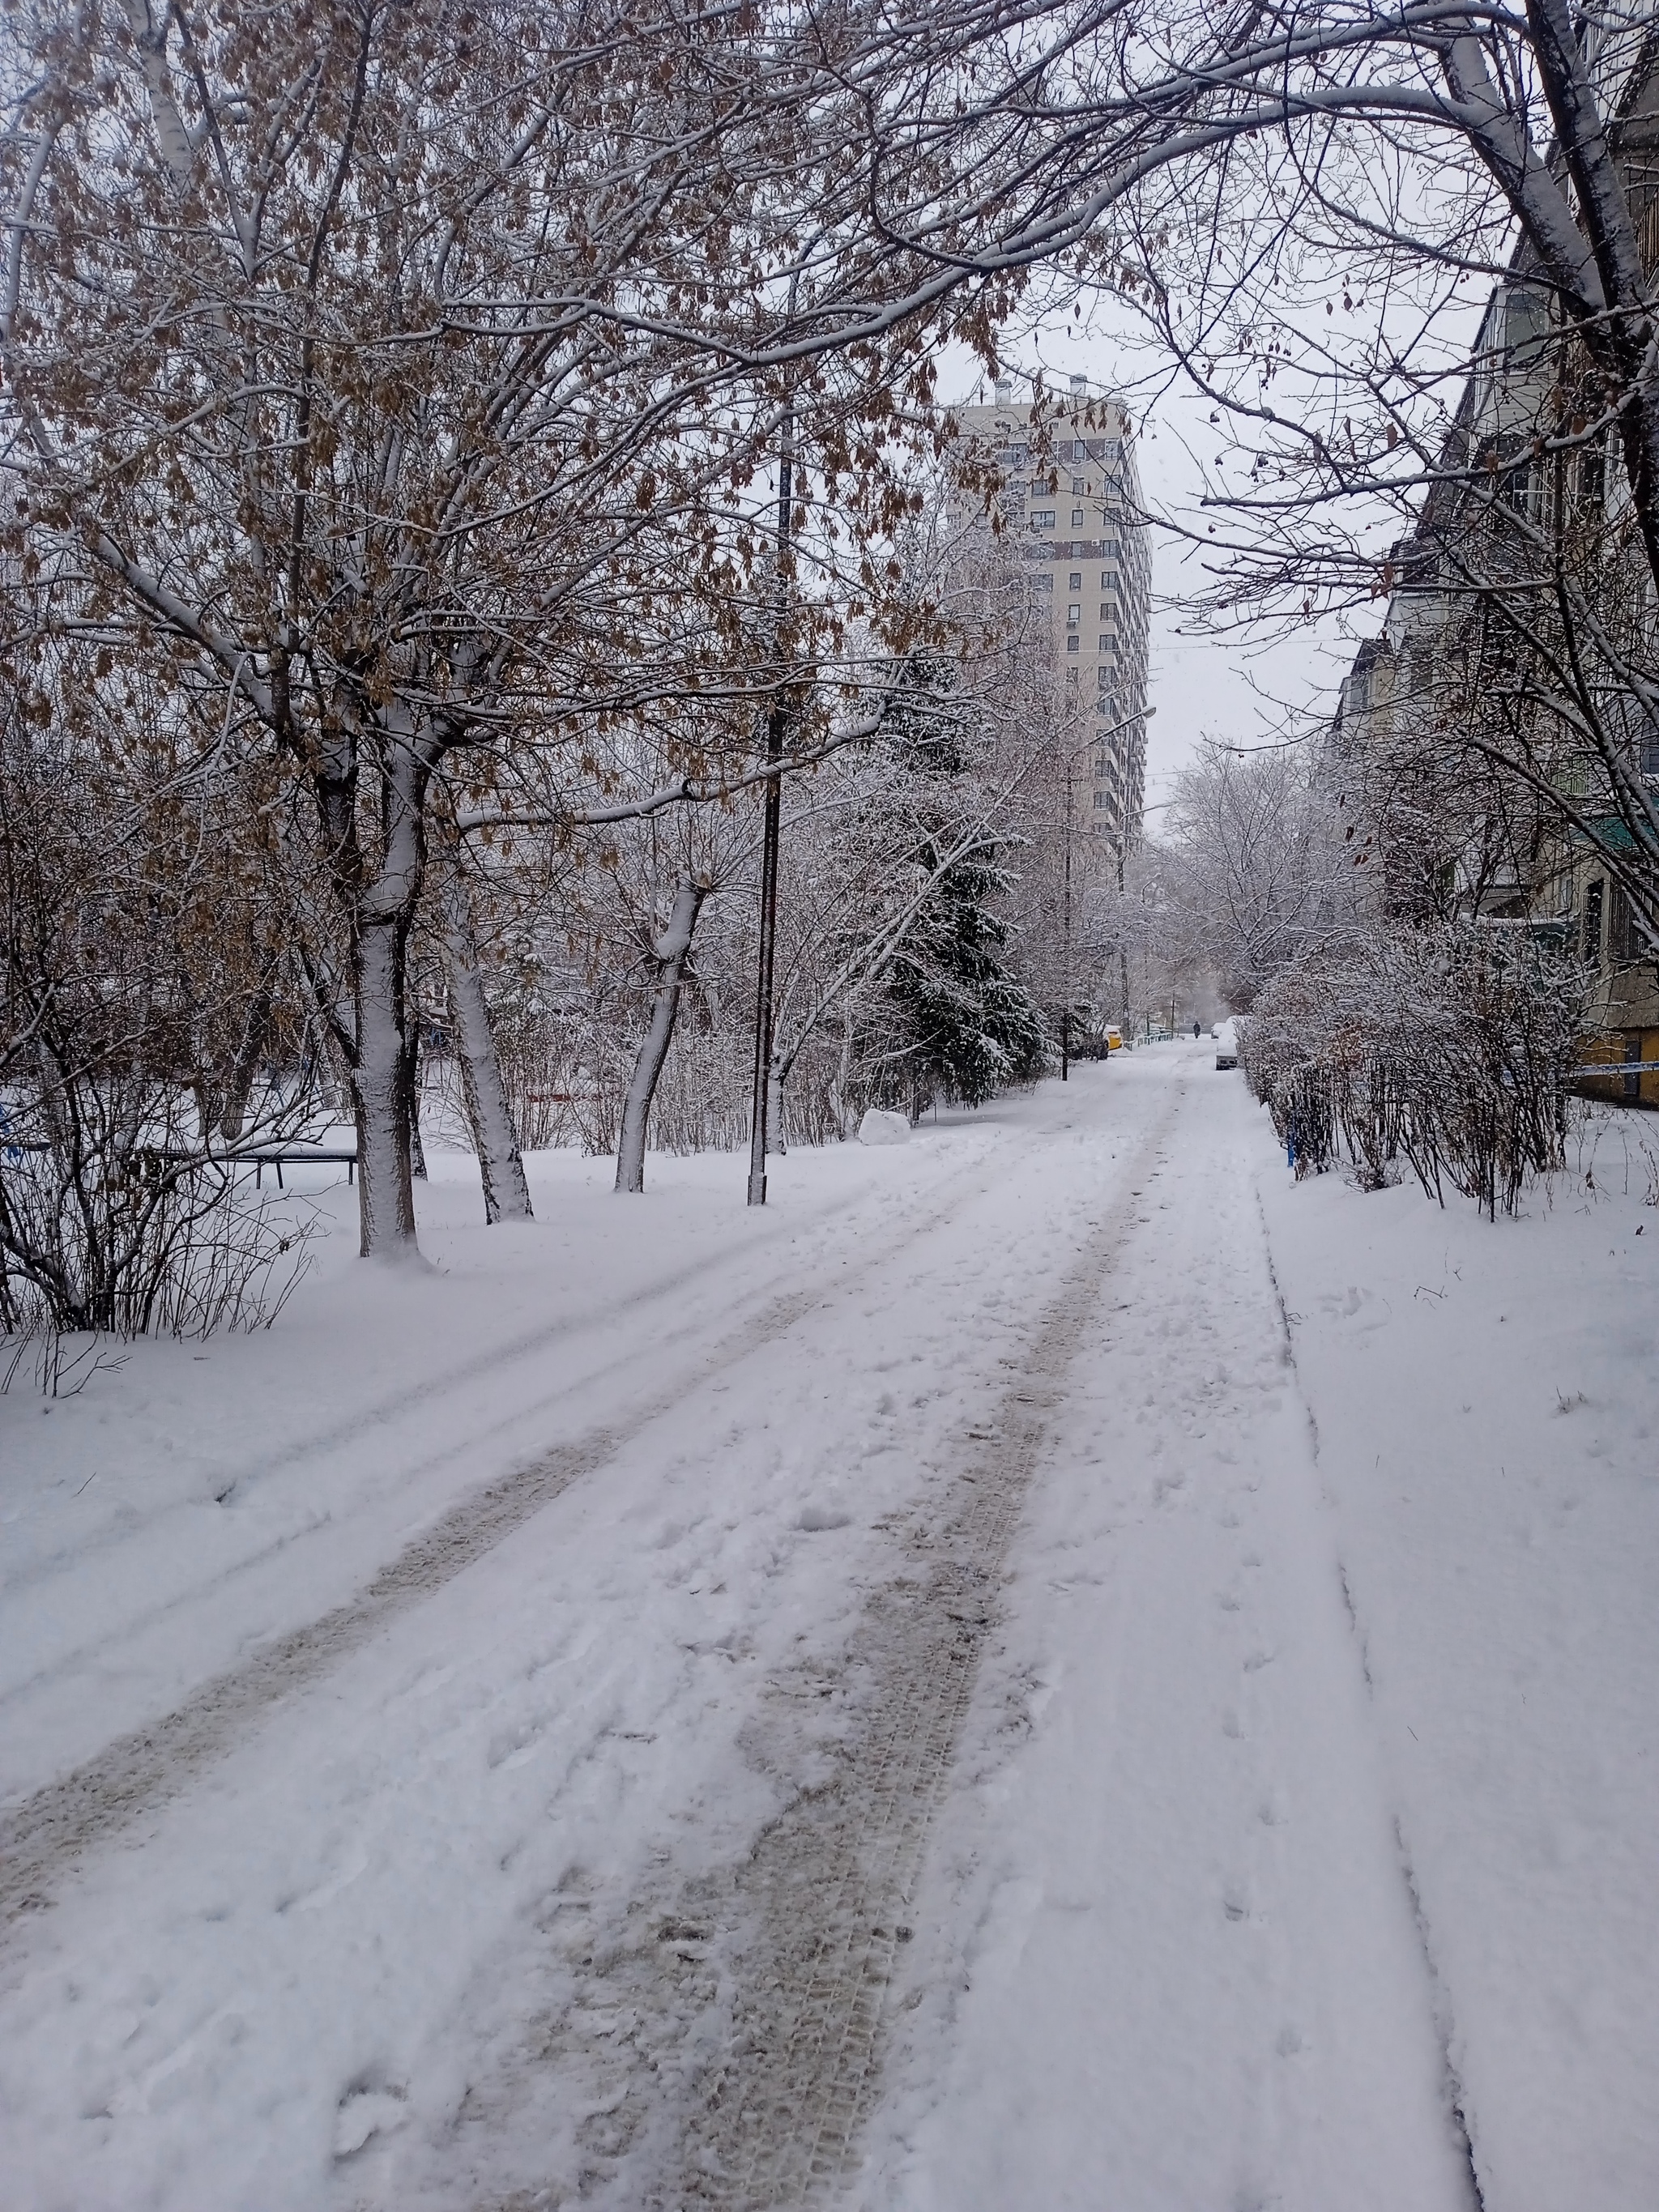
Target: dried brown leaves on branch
(360, 371)
(153, 1025)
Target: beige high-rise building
(1072, 494)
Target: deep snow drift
(1298, 1815)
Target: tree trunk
(838, 1088)
(380, 1090)
(670, 951)
(381, 907)
(416, 1149)
(256, 1035)
(775, 1139)
(501, 1162)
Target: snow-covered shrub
(150, 1025)
(1448, 1047)
(113, 1220)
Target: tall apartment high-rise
(1085, 548)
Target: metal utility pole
(776, 725)
(1065, 979)
(1098, 737)
(1122, 949)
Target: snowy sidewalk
(1168, 1943)
(892, 1678)
(1307, 1809)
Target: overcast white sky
(1203, 684)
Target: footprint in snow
(353, 1865)
(367, 2112)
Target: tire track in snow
(818, 1912)
(44, 1838)
(251, 1562)
(408, 1403)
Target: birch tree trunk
(839, 1088)
(379, 902)
(381, 1087)
(501, 1161)
(670, 951)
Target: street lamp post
(776, 719)
(1066, 978)
(1097, 737)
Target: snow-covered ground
(1053, 1666)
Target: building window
(1074, 614)
(1100, 798)
(1071, 642)
(1076, 579)
(1077, 486)
(1623, 931)
(1043, 517)
(1076, 518)
(1595, 900)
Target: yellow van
(1113, 1038)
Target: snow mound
(817, 1517)
(880, 1127)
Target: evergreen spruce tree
(972, 1025)
(969, 1026)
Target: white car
(1226, 1044)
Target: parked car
(1226, 1044)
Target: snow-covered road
(861, 1705)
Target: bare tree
(1259, 866)
(372, 373)
(147, 1011)
(501, 1161)
(338, 373)
(669, 952)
